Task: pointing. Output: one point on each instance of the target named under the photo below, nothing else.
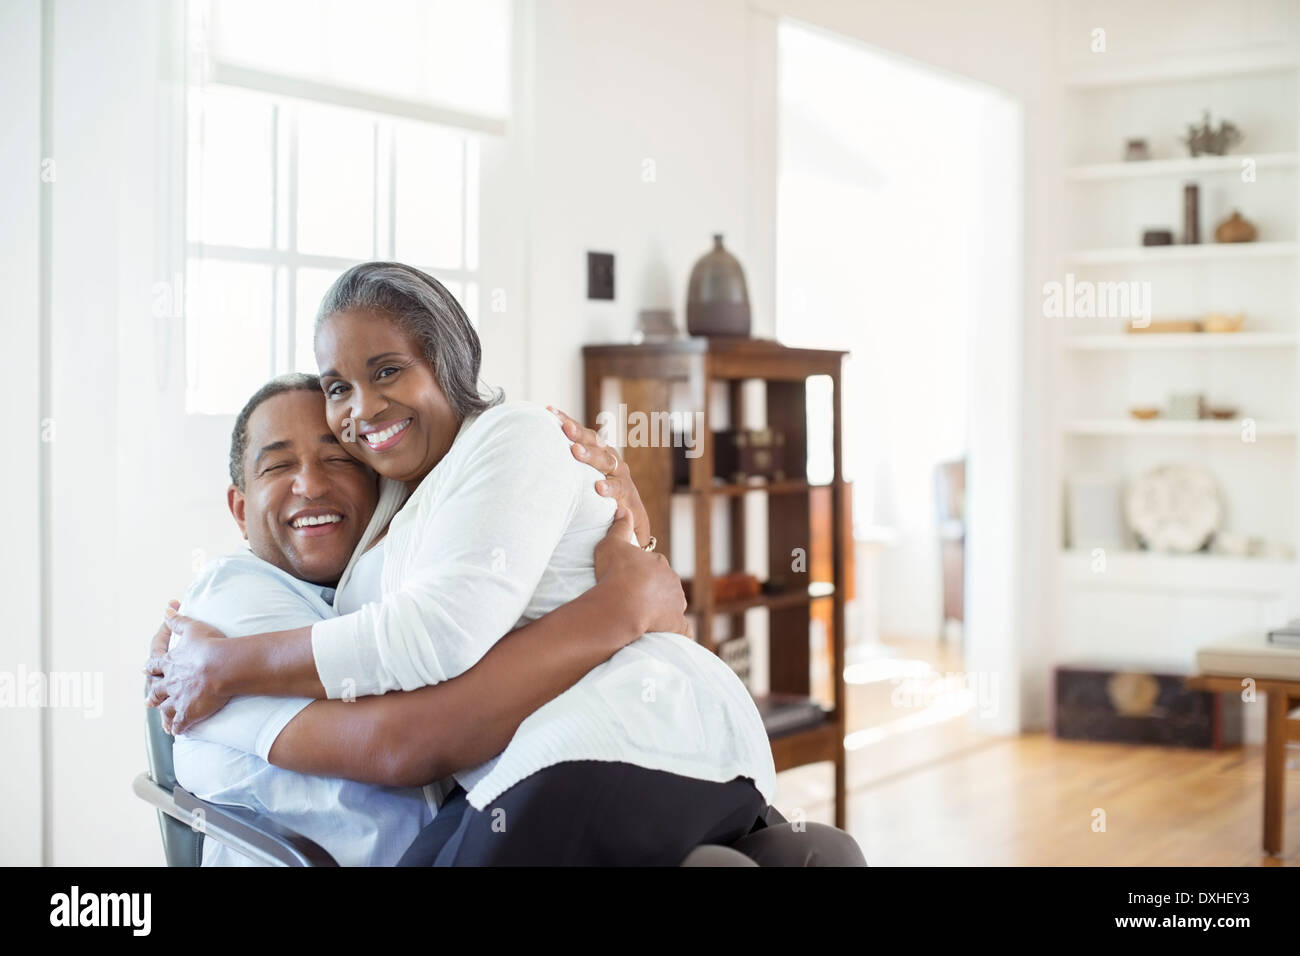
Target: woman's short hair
(422, 306)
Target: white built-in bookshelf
(1141, 605)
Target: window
(293, 177)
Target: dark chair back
(182, 845)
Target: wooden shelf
(777, 601)
(819, 744)
(785, 487)
(788, 714)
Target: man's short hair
(292, 382)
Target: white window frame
(282, 256)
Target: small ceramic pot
(1236, 229)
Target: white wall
(617, 86)
(20, 200)
(121, 474)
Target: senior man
(347, 774)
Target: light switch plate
(600, 275)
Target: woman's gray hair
(429, 313)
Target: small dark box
(1119, 705)
(740, 454)
(600, 275)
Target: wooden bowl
(1225, 321)
(1144, 414)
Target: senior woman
(486, 522)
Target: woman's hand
(617, 484)
(184, 682)
(649, 588)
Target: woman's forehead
(358, 335)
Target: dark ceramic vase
(717, 302)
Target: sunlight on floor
(907, 705)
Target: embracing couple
(454, 647)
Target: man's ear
(235, 499)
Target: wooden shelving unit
(646, 376)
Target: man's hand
(589, 448)
(162, 640)
(651, 588)
(183, 681)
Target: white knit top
(501, 532)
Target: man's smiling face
(305, 501)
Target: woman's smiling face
(382, 400)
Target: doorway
(898, 238)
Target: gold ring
(651, 546)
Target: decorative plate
(1175, 508)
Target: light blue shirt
(223, 759)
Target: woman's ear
(235, 500)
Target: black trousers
(590, 813)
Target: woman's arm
(408, 738)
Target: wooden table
(1280, 727)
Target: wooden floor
(936, 794)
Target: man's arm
(240, 597)
(408, 738)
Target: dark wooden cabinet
(647, 376)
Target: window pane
(470, 302)
(449, 53)
(227, 334)
(336, 183)
(451, 285)
(429, 191)
(312, 284)
(230, 200)
(471, 202)
(282, 356)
